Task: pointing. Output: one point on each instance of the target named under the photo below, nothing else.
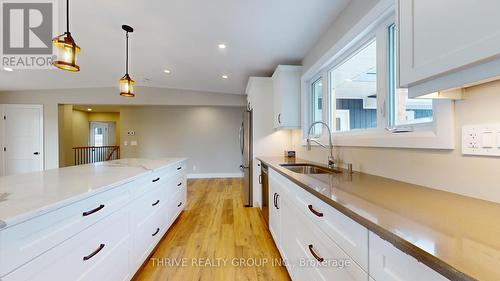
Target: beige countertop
(455, 235)
(28, 195)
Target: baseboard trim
(214, 175)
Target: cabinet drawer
(177, 183)
(178, 204)
(348, 234)
(101, 248)
(314, 255)
(25, 241)
(146, 206)
(146, 236)
(161, 177)
(387, 263)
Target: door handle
(86, 258)
(88, 213)
(319, 214)
(316, 256)
(260, 179)
(277, 197)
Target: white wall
(207, 135)
(144, 96)
(440, 169)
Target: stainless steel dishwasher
(264, 177)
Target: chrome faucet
(331, 159)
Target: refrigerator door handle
(241, 137)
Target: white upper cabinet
(286, 96)
(440, 38)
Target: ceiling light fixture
(89, 109)
(8, 69)
(126, 83)
(66, 48)
(166, 71)
(222, 46)
(225, 77)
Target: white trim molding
(214, 175)
(438, 134)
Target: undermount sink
(310, 169)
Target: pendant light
(66, 48)
(126, 83)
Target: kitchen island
(91, 222)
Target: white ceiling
(182, 35)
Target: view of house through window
(403, 110)
(354, 90)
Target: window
(353, 90)
(317, 105)
(402, 110)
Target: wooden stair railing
(92, 154)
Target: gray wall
(207, 135)
(50, 99)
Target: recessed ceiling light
(222, 46)
(166, 71)
(225, 77)
(8, 69)
(89, 109)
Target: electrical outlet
(481, 140)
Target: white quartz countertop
(28, 195)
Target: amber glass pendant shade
(127, 86)
(66, 50)
(126, 83)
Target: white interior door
(99, 132)
(23, 139)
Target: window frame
(438, 134)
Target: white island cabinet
(102, 227)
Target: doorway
(22, 140)
(99, 134)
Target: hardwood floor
(215, 238)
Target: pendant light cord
(126, 61)
(67, 16)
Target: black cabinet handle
(274, 200)
(279, 118)
(86, 258)
(36, 153)
(157, 179)
(179, 184)
(314, 211)
(88, 213)
(277, 197)
(180, 203)
(156, 232)
(178, 168)
(155, 203)
(318, 258)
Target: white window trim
(438, 134)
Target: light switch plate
(481, 139)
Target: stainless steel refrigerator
(245, 137)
